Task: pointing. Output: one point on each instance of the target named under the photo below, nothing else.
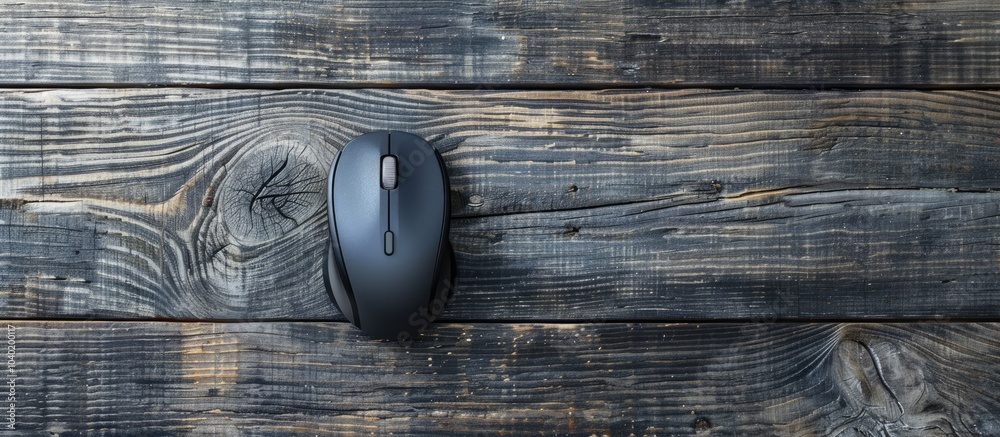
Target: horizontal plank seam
(777, 192)
(566, 321)
(596, 86)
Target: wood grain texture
(548, 43)
(510, 379)
(571, 205)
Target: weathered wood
(581, 43)
(568, 205)
(510, 379)
(507, 152)
(828, 255)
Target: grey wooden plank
(510, 379)
(507, 152)
(571, 205)
(546, 43)
(789, 255)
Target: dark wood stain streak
(569, 205)
(547, 43)
(511, 379)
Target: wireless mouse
(389, 267)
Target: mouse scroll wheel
(389, 172)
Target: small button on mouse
(388, 242)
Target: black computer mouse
(389, 266)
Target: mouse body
(389, 267)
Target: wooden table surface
(705, 218)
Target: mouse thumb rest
(418, 320)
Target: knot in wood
(271, 190)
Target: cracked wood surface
(583, 220)
(541, 43)
(568, 205)
(509, 379)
